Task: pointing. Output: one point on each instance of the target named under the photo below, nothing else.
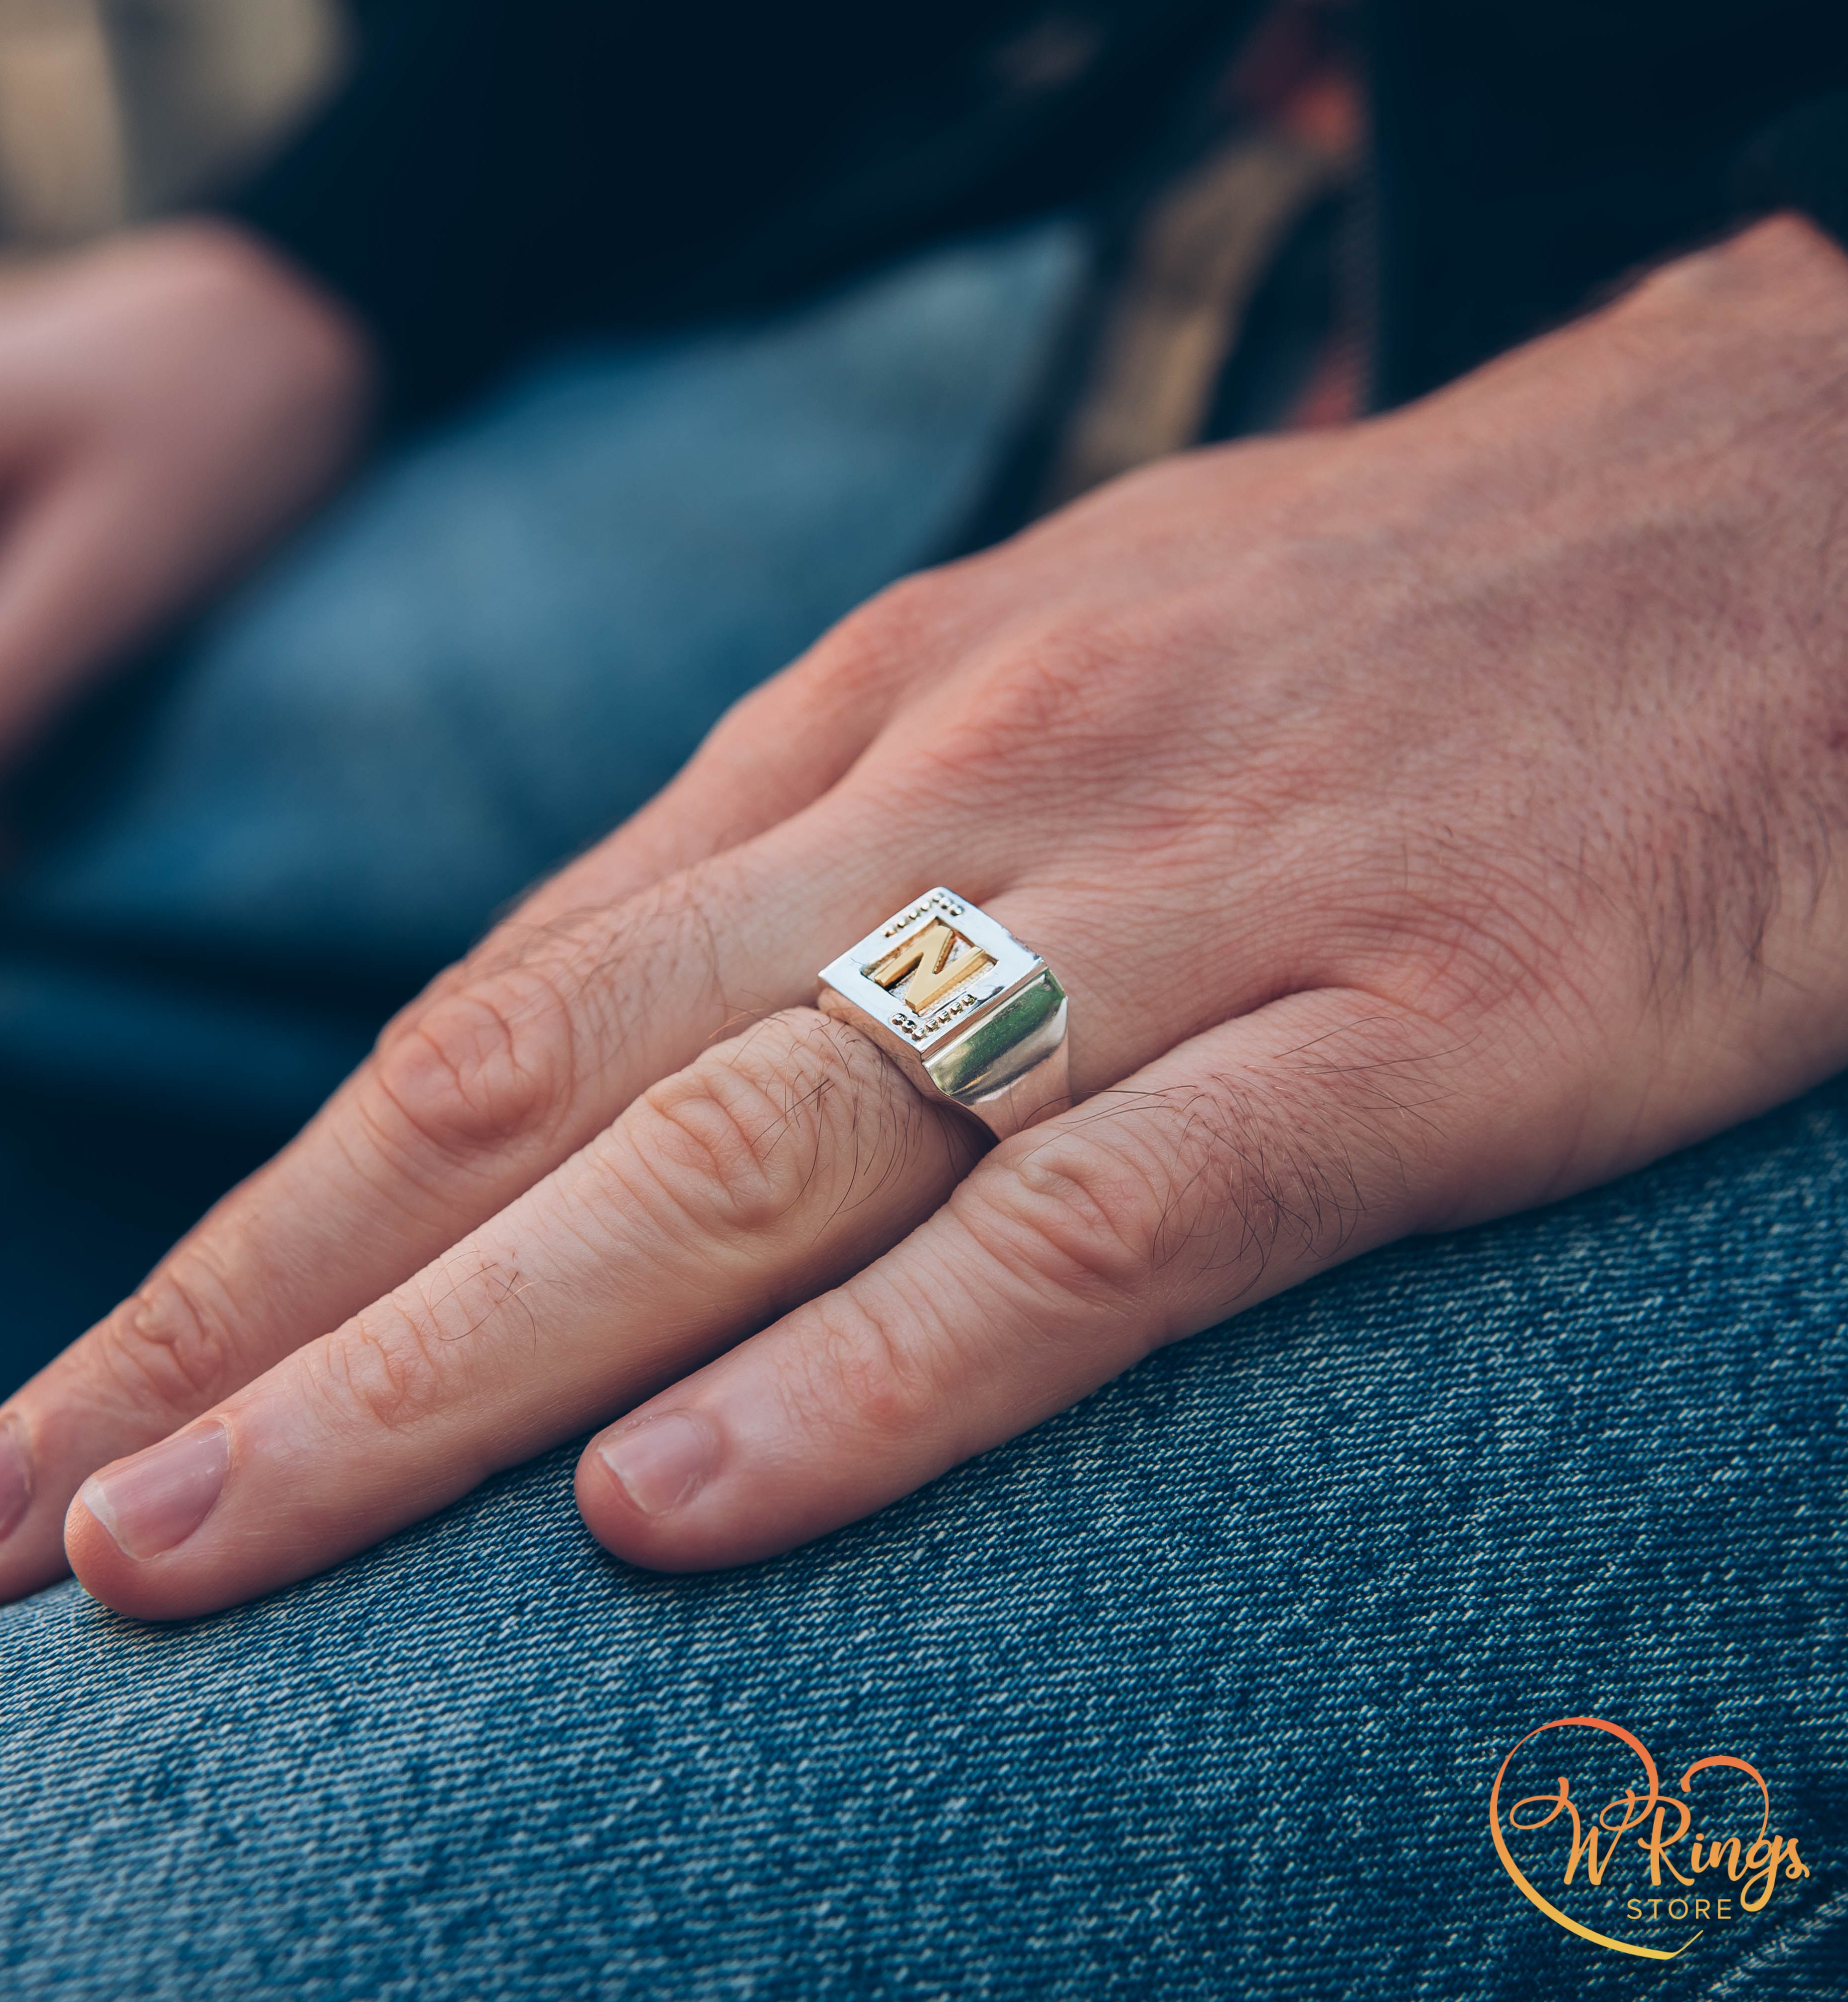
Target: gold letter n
(931, 958)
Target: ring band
(967, 1011)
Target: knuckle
(404, 1359)
(755, 1131)
(871, 1369)
(889, 636)
(739, 734)
(894, 620)
(1080, 1213)
(484, 1063)
(1057, 678)
(175, 1339)
(1058, 701)
(384, 1368)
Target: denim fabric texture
(1197, 1691)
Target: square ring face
(932, 969)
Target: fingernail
(660, 1463)
(15, 1480)
(155, 1500)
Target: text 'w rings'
(969, 1013)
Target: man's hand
(1426, 821)
(167, 403)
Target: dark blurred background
(113, 110)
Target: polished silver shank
(968, 1012)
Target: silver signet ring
(967, 1011)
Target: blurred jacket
(495, 173)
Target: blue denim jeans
(1199, 1690)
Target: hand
(1426, 821)
(167, 402)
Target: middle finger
(769, 1169)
